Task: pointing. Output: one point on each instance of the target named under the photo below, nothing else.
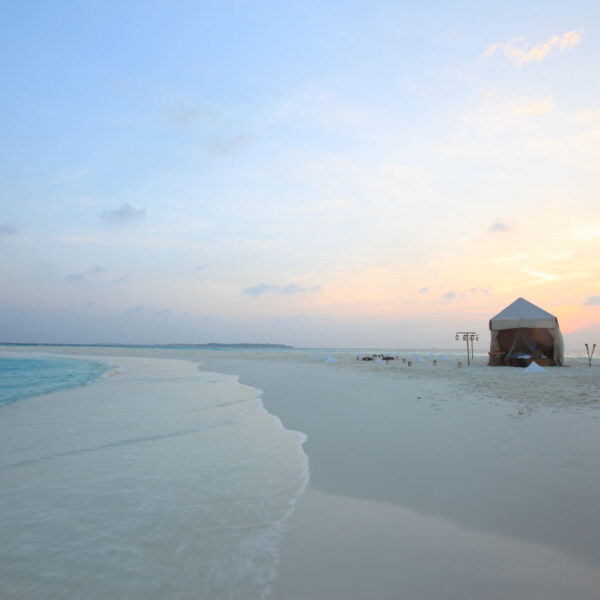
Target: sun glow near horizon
(254, 183)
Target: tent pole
(468, 336)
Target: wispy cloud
(291, 288)
(537, 108)
(518, 52)
(448, 296)
(497, 110)
(585, 116)
(126, 215)
(222, 147)
(6, 230)
(541, 277)
(84, 276)
(502, 225)
(423, 290)
(286, 290)
(93, 276)
(257, 290)
(593, 301)
(560, 255)
(185, 114)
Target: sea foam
(157, 481)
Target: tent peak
(523, 308)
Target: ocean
(25, 377)
(156, 481)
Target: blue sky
(308, 173)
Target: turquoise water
(161, 481)
(26, 377)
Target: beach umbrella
(378, 360)
(443, 357)
(418, 359)
(330, 359)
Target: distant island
(216, 345)
(213, 345)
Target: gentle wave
(28, 377)
(158, 481)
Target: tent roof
(522, 313)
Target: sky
(355, 174)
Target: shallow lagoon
(158, 481)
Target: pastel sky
(309, 173)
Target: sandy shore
(433, 482)
(157, 481)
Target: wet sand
(156, 481)
(437, 482)
(433, 482)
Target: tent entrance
(519, 346)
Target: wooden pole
(468, 336)
(590, 354)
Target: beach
(212, 212)
(332, 480)
(156, 481)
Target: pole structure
(468, 336)
(590, 354)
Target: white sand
(434, 482)
(487, 478)
(158, 481)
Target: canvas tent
(524, 332)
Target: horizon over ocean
(25, 377)
(479, 349)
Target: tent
(522, 332)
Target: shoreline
(417, 463)
(430, 448)
(158, 480)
